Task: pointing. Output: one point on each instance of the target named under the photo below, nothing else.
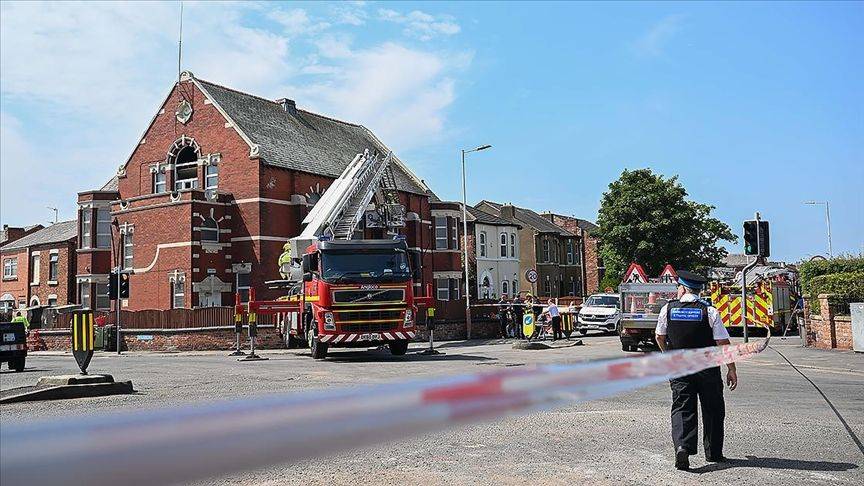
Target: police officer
(685, 323)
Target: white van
(600, 312)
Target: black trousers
(502, 322)
(517, 321)
(556, 328)
(707, 386)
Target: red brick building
(39, 268)
(587, 247)
(215, 186)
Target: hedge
(808, 271)
(847, 287)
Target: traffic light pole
(744, 280)
(118, 301)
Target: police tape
(180, 444)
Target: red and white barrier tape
(191, 442)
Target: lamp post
(827, 220)
(465, 239)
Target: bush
(609, 281)
(808, 271)
(847, 287)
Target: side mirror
(416, 262)
(306, 263)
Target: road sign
(528, 324)
(531, 275)
(82, 339)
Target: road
(779, 429)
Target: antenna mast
(180, 43)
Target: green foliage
(610, 281)
(808, 271)
(847, 287)
(647, 218)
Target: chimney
(288, 105)
(508, 212)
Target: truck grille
(368, 315)
(369, 327)
(366, 296)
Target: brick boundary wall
(199, 339)
(827, 330)
(456, 330)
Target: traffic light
(751, 238)
(764, 240)
(112, 286)
(124, 285)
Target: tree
(647, 218)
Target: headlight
(409, 318)
(329, 323)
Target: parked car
(600, 312)
(13, 345)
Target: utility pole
(55, 213)
(465, 240)
(827, 221)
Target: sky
(755, 106)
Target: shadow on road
(385, 356)
(26, 370)
(775, 463)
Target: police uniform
(689, 323)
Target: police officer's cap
(691, 280)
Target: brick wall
(64, 286)
(592, 265)
(18, 287)
(453, 331)
(827, 330)
(211, 339)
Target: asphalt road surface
(779, 428)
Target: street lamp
(827, 219)
(465, 239)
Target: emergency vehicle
(344, 291)
(769, 302)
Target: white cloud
(297, 21)
(420, 24)
(654, 41)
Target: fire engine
(769, 303)
(345, 291)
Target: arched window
(512, 245)
(482, 244)
(485, 287)
(34, 301)
(515, 286)
(504, 288)
(184, 154)
(503, 245)
(210, 231)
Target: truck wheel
(398, 348)
(319, 349)
(292, 342)
(17, 364)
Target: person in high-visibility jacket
(22, 317)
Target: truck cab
(356, 294)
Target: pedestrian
(21, 316)
(518, 313)
(502, 316)
(686, 323)
(553, 312)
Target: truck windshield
(365, 266)
(602, 301)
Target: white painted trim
(268, 200)
(281, 239)
(159, 247)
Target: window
(84, 294)
(547, 286)
(482, 244)
(545, 250)
(503, 245)
(454, 234)
(209, 231)
(34, 269)
(555, 250)
(512, 245)
(211, 177)
(178, 293)
(86, 228)
(515, 285)
(454, 289)
(128, 250)
(243, 286)
(505, 288)
(103, 228)
(440, 233)
(102, 300)
(569, 252)
(442, 287)
(10, 268)
(159, 181)
(186, 169)
(52, 301)
(53, 266)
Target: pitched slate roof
(484, 217)
(528, 218)
(301, 140)
(58, 232)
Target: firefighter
(685, 323)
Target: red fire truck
(343, 291)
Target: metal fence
(164, 319)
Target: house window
(34, 269)
(128, 250)
(512, 245)
(547, 286)
(440, 233)
(515, 285)
(442, 287)
(555, 251)
(102, 300)
(570, 252)
(243, 284)
(178, 293)
(53, 266)
(186, 169)
(211, 177)
(545, 250)
(482, 244)
(52, 301)
(210, 231)
(84, 294)
(159, 181)
(454, 233)
(10, 268)
(103, 228)
(454, 289)
(504, 288)
(86, 228)
(503, 245)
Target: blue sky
(754, 106)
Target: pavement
(779, 429)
